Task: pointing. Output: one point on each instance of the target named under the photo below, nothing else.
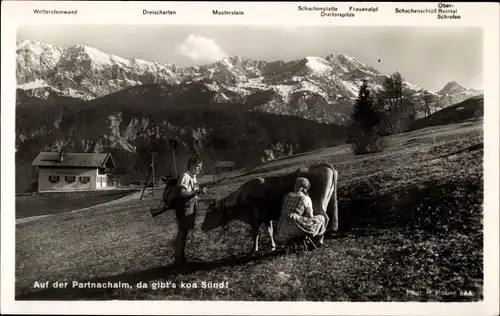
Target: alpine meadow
(409, 162)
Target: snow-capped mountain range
(317, 88)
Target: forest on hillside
(131, 134)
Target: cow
(258, 201)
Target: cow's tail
(332, 211)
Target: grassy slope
(410, 219)
(472, 108)
(46, 204)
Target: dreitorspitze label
(329, 11)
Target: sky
(427, 56)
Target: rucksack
(169, 198)
(170, 194)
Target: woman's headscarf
(302, 184)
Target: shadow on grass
(132, 278)
(451, 204)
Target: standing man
(186, 207)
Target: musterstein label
(227, 12)
(158, 12)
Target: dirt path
(133, 196)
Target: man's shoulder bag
(170, 198)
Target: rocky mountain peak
(35, 60)
(312, 87)
(32, 45)
(98, 58)
(452, 87)
(234, 59)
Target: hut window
(54, 179)
(84, 179)
(70, 179)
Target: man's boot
(180, 244)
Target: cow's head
(215, 216)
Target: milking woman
(297, 216)
(186, 206)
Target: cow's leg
(269, 226)
(255, 237)
(255, 227)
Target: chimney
(61, 156)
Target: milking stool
(304, 241)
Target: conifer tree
(366, 119)
(364, 112)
